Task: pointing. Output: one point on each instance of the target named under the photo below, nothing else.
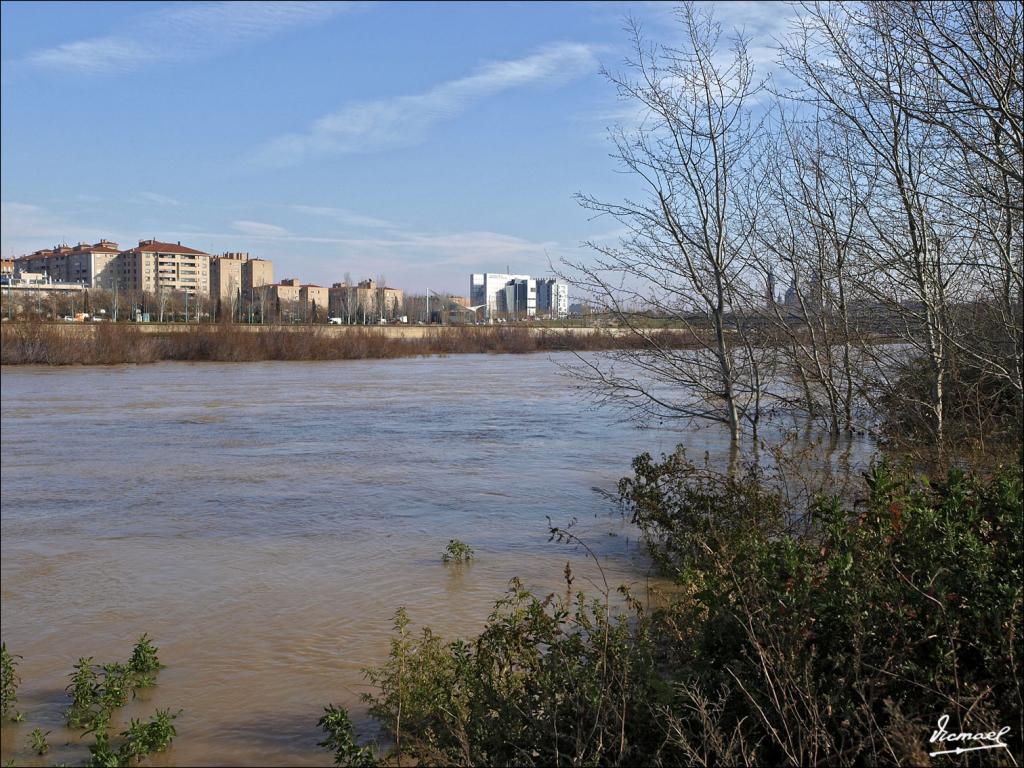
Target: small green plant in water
(9, 681)
(457, 552)
(341, 740)
(96, 691)
(37, 742)
(84, 690)
(113, 692)
(138, 740)
(144, 663)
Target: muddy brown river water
(263, 522)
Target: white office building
(552, 297)
(487, 290)
(502, 295)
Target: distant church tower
(792, 298)
(769, 290)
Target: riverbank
(110, 344)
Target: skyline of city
(160, 270)
(420, 142)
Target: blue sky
(418, 141)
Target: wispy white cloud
(259, 229)
(182, 33)
(763, 24)
(375, 125)
(472, 247)
(156, 197)
(344, 216)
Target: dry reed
(35, 343)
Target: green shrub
(97, 690)
(457, 552)
(144, 664)
(847, 631)
(137, 741)
(9, 681)
(341, 740)
(547, 682)
(85, 692)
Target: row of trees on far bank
(256, 306)
(869, 190)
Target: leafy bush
(341, 740)
(9, 681)
(457, 552)
(137, 741)
(846, 632)
(97, 690)
(144, 663)
(549, 681)
(836, 633)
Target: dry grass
(109, 344)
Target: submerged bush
(37, 741)
(548, 681)
(9, 681)
(839, 634)
(138, 740)
(97, 691)
(457, 551)
(341, 740)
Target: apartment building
(156, 267)
(314, 300)
(256, 273)
(94, 266)
(365, 302)
(284, 292)
(226, 276)
(89, 265)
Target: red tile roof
(155, 246)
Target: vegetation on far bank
(109, 343)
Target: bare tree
(808, 238)
(849, 69)
(975, 100)
(687, 239)
(931, 93)
(163, 297)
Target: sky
(415, 141)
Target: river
(263, 521)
